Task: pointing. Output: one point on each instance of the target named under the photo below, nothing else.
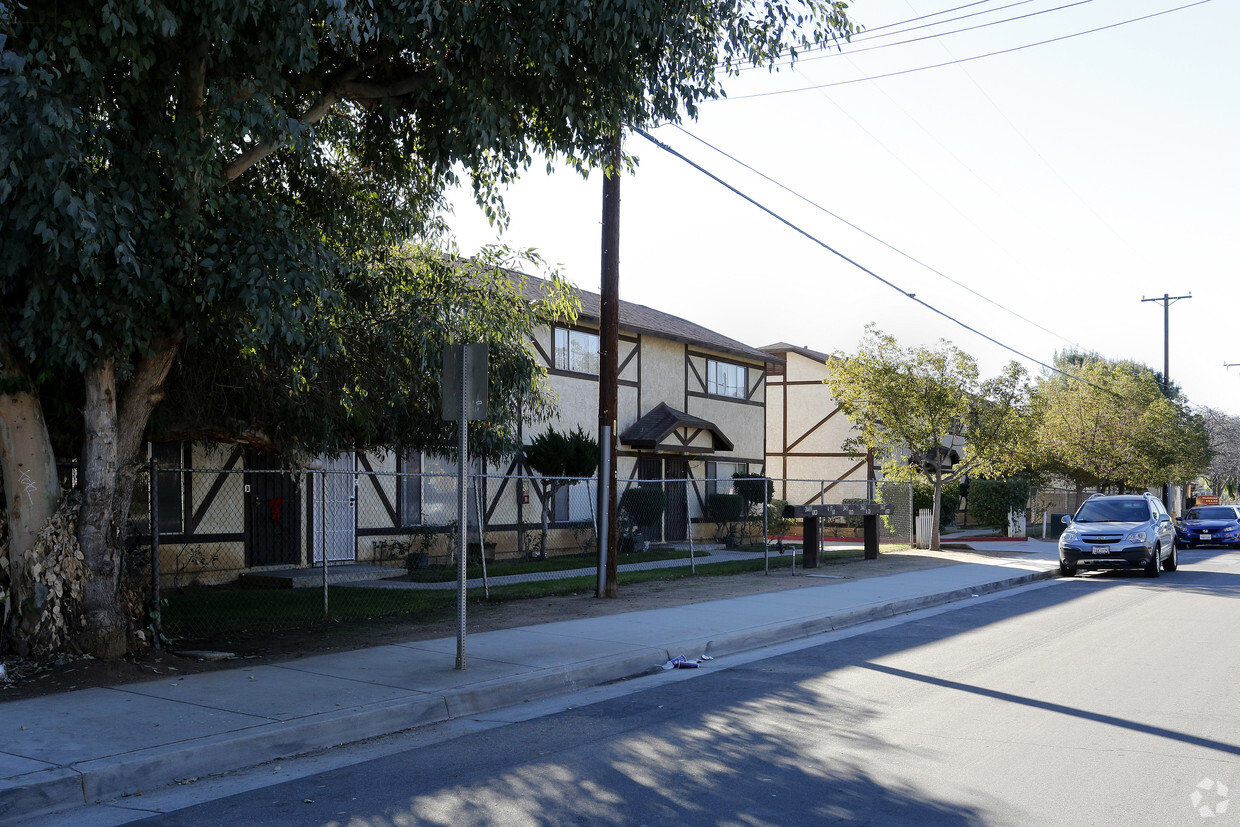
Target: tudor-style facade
(806, 430)
(691, 408)
(691, 403)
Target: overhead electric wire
(854, 263)
(870, 235)
(969, 59)
(866, 31)
(937, 35)
(841, 49)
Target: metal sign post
(464, 398)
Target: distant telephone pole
(1166, 303)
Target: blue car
(1209, 525)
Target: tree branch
(349, 88)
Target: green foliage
(725, 508)
(642, 506)
(371, 375)
(1110, 423)
(991, 500)
(923, 497)
(727, 512)
(755, 488)
(777, 523)
(917, 400)
(554, 454)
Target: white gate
(335, 517)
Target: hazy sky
(1061, 183)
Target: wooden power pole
(609, 369)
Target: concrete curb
(59, 788)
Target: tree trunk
(105, 634)
(31, 485)
(936, 511)
(137, 401)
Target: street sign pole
(464, 397)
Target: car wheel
(1066, 570)
(1173, 559)
(1154, 567)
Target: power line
(870, 235)
(854, 263)
(938, 35)
(852, 41)
(968, 59)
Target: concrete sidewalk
(76, 748)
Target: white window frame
(575, 351)
(727, 379)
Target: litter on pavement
(681, 662)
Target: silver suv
(1124, 531)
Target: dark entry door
(650, 475)
(273, 513)
(676, 517)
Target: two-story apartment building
(692, 409)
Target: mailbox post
(811, 514)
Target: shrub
(755, 488)
(991, 500)
(725, 511)
(923, 497)
(643, 506)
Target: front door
(273, 513)
(650, 475)
(335, 510)
(676, 517)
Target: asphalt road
(1102, 699)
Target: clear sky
(1062, 183)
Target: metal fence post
(156, 620)
(322, 527)
(604, 495)
(766, 538)
(689, 523)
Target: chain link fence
(235, 551)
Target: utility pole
(1166, 303)
(608, 373)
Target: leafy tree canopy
(908, 405)
(1111, 423)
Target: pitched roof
(662, 421)
(780, 348)
(637, 318)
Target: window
(428, 494)
(726, 379)
(719, 476)
(575, 350)
(571, 503)
(171, 499)
(409, 486)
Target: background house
(806, 430)
(691, 412)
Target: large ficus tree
(1111, 423)
(909, 405)
(178, 171)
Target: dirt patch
(27, 679)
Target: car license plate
(1102, 549)
(1205, 535)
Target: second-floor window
(725, 379)
(576, 351)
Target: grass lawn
(208, 612)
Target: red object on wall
(274, 505)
